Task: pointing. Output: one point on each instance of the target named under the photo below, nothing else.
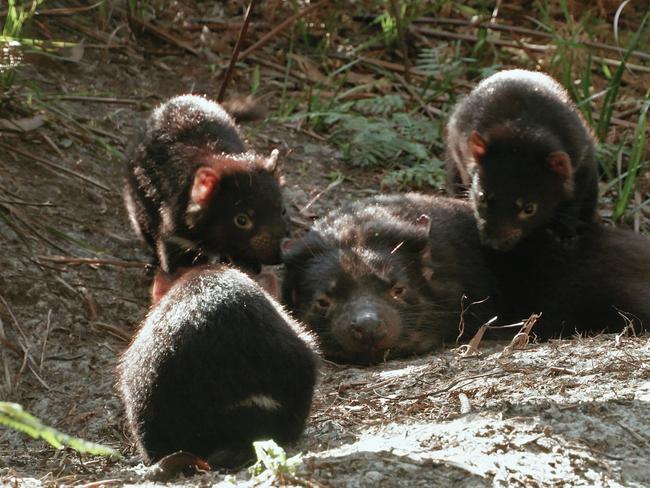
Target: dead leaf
(359, 78)
(22, 125)
(309, 68)
(73, 53)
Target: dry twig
(54, 166)
(280, 27)
(235, 53)
(121, 263)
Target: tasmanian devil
(385, 277)
(600, 283)
(192, 189)
(216, 365)
(526, 154)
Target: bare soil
(574, 412)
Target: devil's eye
(528, 210)
(323, 302)
(243, 221)
(398, 291)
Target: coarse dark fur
(376, 280)
(192, 189)
(586, 288)
(216, 365)
(519, 144)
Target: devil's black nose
(367, 326)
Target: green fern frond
(380, 105)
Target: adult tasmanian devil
(216, 365)
(386, 277)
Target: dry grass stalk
(521, 339)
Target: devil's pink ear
(206, 184)
(287, 244)
(269, 281)
(271, 163)
(161, 283)
(424, 221)
(559, 162)
(478, 146)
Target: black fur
(581, 289)
(182, 135)
(523, 117)
(213, 345)
(374, 282)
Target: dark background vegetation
(373, 79)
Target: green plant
(428, 173)
(17, 16)
(388, 24)
(138, 8)
(12, 415)
(634, 163)
(442, 69)
(376, 131)
(272, 459)
(615, 82)
(606, 155)
(255, 80)
(567, 43)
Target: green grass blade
(634, 164)
(12, 415)
(615, 82)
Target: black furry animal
(589, 287)
(385, 277)
(192, 189)
(521, 146)
(216, 365)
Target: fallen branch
(161, 33)
(235, 53)
(279, 28)
(94, 262)
(517, 45)
(80, 98)
(51, 165)
(525, 31)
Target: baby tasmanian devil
(216, 365)
(192, 189)
(385, 277)
(528, 157)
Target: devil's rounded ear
(478, 146)
(269, 281)
(270, 164)
(427, 262)
(287, 244)
(424, 221)
(206, 184)
(162, 282)
(559, 162)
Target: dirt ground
(566, 413)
